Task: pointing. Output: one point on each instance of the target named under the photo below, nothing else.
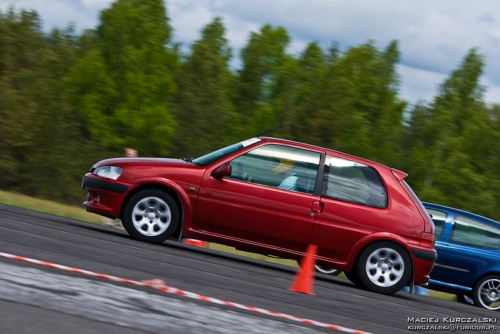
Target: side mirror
(221, 171)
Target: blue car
(468, 263)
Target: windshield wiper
(190, 159)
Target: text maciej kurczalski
(451, 320)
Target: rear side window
(472, 232)
(438, 218)
(353, 182)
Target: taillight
(426, 239)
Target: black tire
(391, 267)
(158, 229)
(327, 271)
(486, 288)
(461, 299)
(353, 277)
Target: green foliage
(264, 60)
(20, 84)
(202, 106)
(124, 84)
(452, 144)
(68, 100)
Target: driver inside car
(285, 169)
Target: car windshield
(216, 155)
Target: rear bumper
(425, 254)
(104, 197)
(423, 262)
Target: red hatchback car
(275, 196)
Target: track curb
(178, 292)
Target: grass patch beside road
(442, 295)
(45, 206)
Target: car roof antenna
(278, 128)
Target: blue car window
(438, 218)
(471, 232)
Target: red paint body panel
(270, 220)
(341, 225)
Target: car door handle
(317, 206)
(207, 193)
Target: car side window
(438, 218)
(472, 232)
(353, 182)
(278, 166)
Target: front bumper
(110, 186)
(105, 197)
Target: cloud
(434, 35)
(419, 85)
(59, 13)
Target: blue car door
(472, 250)
(443, 220)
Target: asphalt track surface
(228, 277)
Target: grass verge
(45, 206)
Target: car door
(472, 247)
(255, 203)
(352, 199)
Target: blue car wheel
(487, 292)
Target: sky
(434, 35)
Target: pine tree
(21, 90)
(457, 143)
(311, 100)
(123, 86)
(203, 106)
(263, 58)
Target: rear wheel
(384, 267)
(328, 271)
(487, 292)
(151, 215)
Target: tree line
(69, 99)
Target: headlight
(109, 172)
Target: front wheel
(151, 215)
(384, 267)
(353, 277)
(487, 292)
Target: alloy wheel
(488, 294)
(151, 216)
(385, 267)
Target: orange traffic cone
(304, 280)
(196, 242)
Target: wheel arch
(172, 189)
(483, 275)
(369, 240)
